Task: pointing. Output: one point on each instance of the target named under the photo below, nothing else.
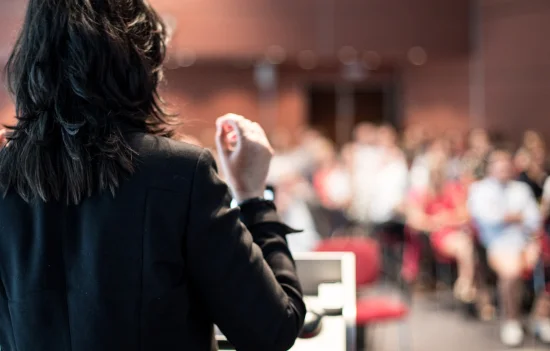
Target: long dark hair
(80, 71)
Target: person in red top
(440, 210)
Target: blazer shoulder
(164, 158)
(152, 146)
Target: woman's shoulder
(154, 145)
(166, 155)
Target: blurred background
(445, 64)
(359, 97)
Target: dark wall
(516, 59)
(249, 27)
(506, 84)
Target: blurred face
(500, 166)
(414, 137)
(532, 140)
(325, 153)
(438, 163)
(537, 159)
(387, 137)
(457, 142)
(439, 147)
(365, 133)
(479, 139)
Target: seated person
(534, 174)
(331, 182)
(440, 210)
(545, 205)
(387, 187)
(507, 217)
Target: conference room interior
(359, 98)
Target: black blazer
(150, 269)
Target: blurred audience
(420, 169)
(465, 201)
(414, 142)
(531, 141)
(331, 179)
(457, 149)
(294, 198)
(507, 217)
(479, 147)
(439, 210)
(534, 171)
(388, 185)
(363, 156)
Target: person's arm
(400, 189)
(417, 218)
(545, 202)
(246, 283)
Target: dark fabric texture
(151, 269)
(536, 188)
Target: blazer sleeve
(245, 278)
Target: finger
(234, 137)
(220, 141)
(231, 122)
(228, 117)
(261, 136)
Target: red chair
(370, 310)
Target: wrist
(242, 197)
(252, 201)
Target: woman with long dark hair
(113, 236)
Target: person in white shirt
(292, 198)
(507, 217)
(363, 156)
(387, 188)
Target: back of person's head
(80, 71)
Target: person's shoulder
(153, 146)
(479, 185)
(519, 186)
(521, 189)
(156, 155)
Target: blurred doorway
(334, 109)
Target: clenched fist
(245, 155)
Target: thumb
(223, 150)
(221, 136)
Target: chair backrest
(367, 256)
